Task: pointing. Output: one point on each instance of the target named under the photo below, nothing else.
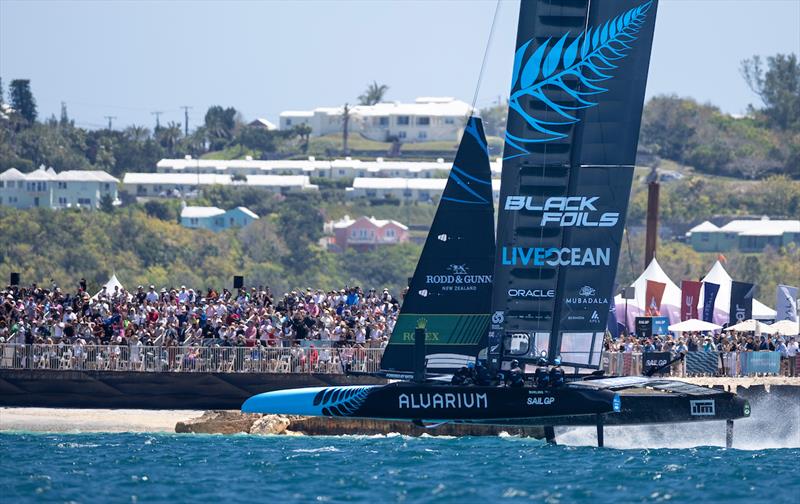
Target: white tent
(722, 305)
(109, 286)
(670, 302)
(694, 325)
(786, 327)
(752, 326)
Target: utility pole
(110, 118)
(157, 113)
(345, 124)
(185, 119)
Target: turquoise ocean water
(394, 468)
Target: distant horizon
(130, 59)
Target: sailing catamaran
(541, 287)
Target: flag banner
(612, 325)
(786, 303)
(653, 294)
(709, 298)
(690, 298)
(644, 327)
(655, 360)
(702, 363)
(760, 362)
(741, 302)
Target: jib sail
(577, 92)
(451, 287)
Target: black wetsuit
(482, 376)
(556, 376)
(542, 376)
(515, 377)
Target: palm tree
(373, 94)
(304, 132)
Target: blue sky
(128, 59)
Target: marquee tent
(670, 302)
(786, 327)
(109, 286)
(719, 276)
(751, 326)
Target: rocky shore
(233, 422)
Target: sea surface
(142, 467)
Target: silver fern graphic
(341, 401)
(576, 70)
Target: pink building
(365, 233)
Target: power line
(110, 118)
(157, 113)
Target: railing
(731, 364)
(195, 359)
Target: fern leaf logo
(573, 66)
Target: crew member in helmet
(469, 379)
(515, 375)
(482, 376)
(461, 376)
(556, 374)
(542, 374)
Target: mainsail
(575, 108)
(451, 287)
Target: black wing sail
(451, 286)
(575, 107)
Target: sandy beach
(92, 420)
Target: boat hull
(613, 401)
(411, 402)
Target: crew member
(482, 376)
(515, 375)
(542, 374)
(557, 374)
(463, 376)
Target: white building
(312, 167)
(216, 219)
(181, 184)
(427, 119)
(48, 189)
(405, 189)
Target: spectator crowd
(309, 321)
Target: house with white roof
(46, 188)
(404, 189)
(216, 219)
(182, 184)
(428, 118)
(365, 233)
(745, 235)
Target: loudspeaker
(238, 282)
(14, 278)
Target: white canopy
(694, 325)
(670, 302)
(786, 327)
(109, 286)
(752, 325)
(722, 305)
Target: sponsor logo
(458, 279)
(442, 237)
(595, 319)
(569, 211)
(448, 400)
(532, 293)
(541, 401)
(616, 403)
(498, 317)
(704, 407)
(746, 408)
(457, 269)
(576, 317)
(741, 313)
(539, 256)
(423, 292)
(586, 295)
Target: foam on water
(774, 423)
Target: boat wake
(774, 423)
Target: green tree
(22, 100)
(107, 203)
(161, 210)
(259, 139)
(303, 131)
(300, 224)
(778, 86)
(494, 119)
(373, 94)
(219, 126)
(668, 126)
